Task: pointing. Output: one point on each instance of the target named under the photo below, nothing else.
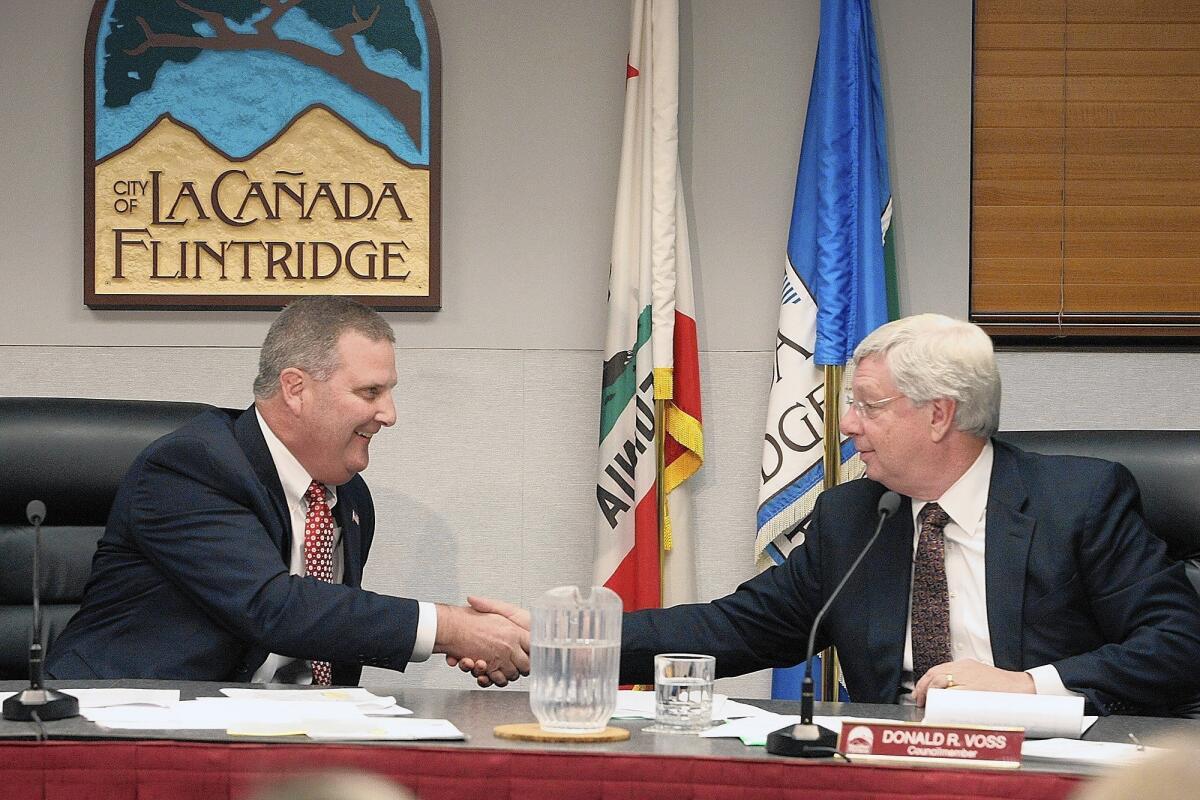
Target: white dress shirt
(966, 581)
(295, 481)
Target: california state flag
(650, 350)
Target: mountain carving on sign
(136, 49)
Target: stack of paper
(640, 705)
(1042, 716)
(753, 730)
(319, 714)
(1098, 754)
(102, 698)
(370, 704)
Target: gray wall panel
(485, 484)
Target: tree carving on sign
(135, 49)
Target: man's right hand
(470, 635)
(479, 668)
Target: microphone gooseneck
(38, 703)
(35, 512)
(806, 739)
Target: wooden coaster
(532, 732)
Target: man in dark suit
(1043, 576)
(235, 547)
(1002, 570)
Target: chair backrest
(71, 454)
(1166, 465)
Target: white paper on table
(389, 729)
(634, 705)
(389, 711)
(104, 698)
(640, 705)
(753, 730)
(149, 718)
(1042, 716)
(220, 713)
(367, 702)
(732, 709)
(1091, 753)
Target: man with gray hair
(1002, 570)
(235, 547)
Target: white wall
(485, 485)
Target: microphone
(37, 702)
(805, 739)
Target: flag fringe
(664, 383)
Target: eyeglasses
(870, 409)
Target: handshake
(487, 638)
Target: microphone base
(48, 704)
(802, 741)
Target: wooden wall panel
(1008, 193)
(1019, 167)
(1023, 298)
(1022, 244)
(1134, 36)
(1085, 192)
(1132, 191)
(1018, 270)
(1025, 140)
(1018, 114)
(1152, 271)
(1134, 218)
(1127, 62)
(1095, 298)
(1145, 139)
(1003, 35)
(1120, 166)
(1131, 115)
(1021, 11)
(1121, 11)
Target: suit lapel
(347, 515)
(1009, 533)
(889, 591)
(249, 436)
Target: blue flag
(842, 211)
(839, 281)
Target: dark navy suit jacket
(1074, 579)
(190, 580)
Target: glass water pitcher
(575, 641)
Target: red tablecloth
(171, 770)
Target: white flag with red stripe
(650, 350)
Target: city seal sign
(241, 153)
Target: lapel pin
(354, 516)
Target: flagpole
(831, 669)
(664, 535)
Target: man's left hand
(967, 673)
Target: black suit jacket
(1074, 579)
(190, 580)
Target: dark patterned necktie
(318, 557)
(930, 599)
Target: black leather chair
(1166, 465)
(71, 454)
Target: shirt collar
(292, 475)
(966, 499)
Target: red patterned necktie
(930, 599)
(318, 557)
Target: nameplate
(951, 745)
